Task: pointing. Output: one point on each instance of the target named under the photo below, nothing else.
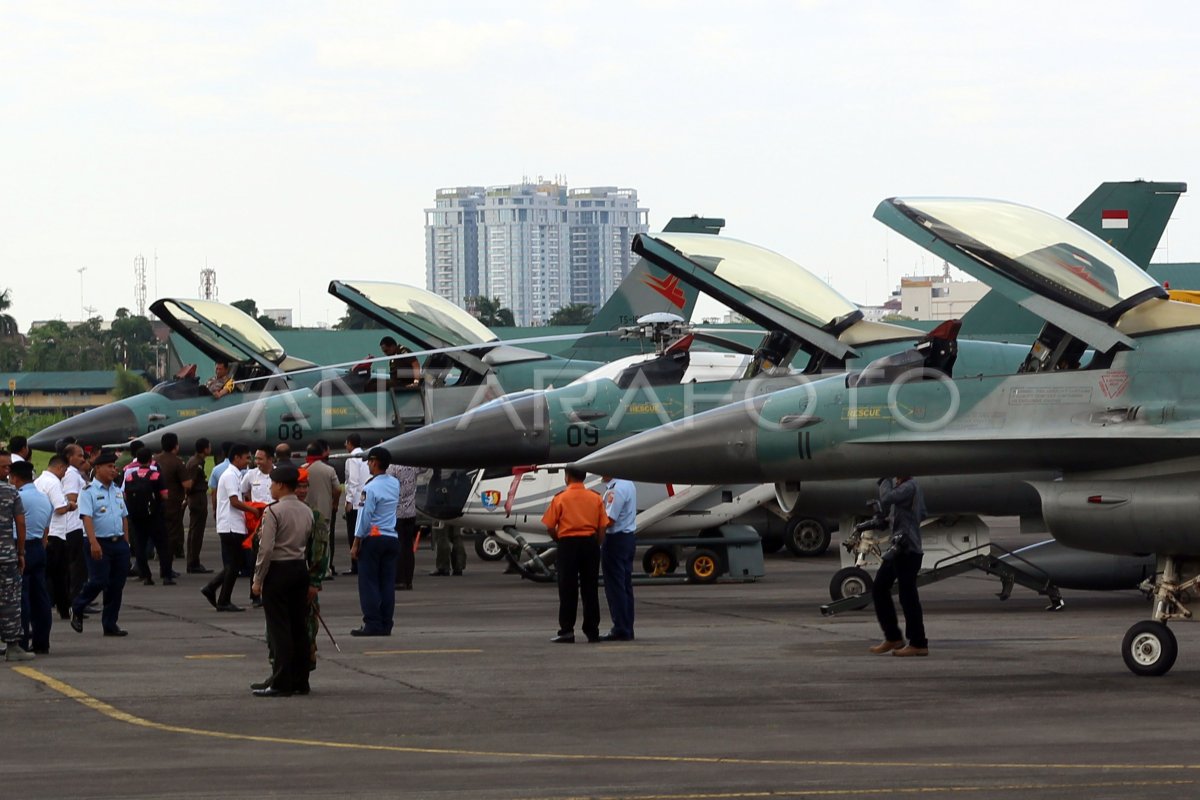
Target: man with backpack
(145, 498)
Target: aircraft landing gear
(1149, 647)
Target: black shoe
(353, 571)
(261, 685)
(211, 596)
(365, 632)
(403, 587)
(615, 637)
(198, 569)
(439, 573)
(41, 651)
(270, 692)
(117, 632)
(333, 570)
(169, 582)
(175, 574)
(147, 581)
(303, 690)
(76, 622)
(92, 608)
(230, 607)
(456, 572)
(256, 602)
(564, 638)
(593, 639)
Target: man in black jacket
(902, 501)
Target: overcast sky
(286, 144)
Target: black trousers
(58, 575)
(903, 568)
(197, 519)
(285, 607)
(77, 560)
(351, 520)
(406, 563)
(578, 561)
(146, 530)
(231, 554)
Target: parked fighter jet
(223, 333)
(359, 401)
(1107, 396)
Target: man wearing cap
(106, 524)
(376, 547)
(36, 615)
(281, 578)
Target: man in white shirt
(49, 483)
(256, 485)
(231, 528)
(74, 482)
(356, 480)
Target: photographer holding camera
(902, 502)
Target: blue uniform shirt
(106, 507)
(216, 474)
(620, 503)
(378, 512)
(37, 511)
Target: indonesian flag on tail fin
(1114, 218)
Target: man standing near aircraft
(576, 520)
(106, 524)
(356, 480)
(177, 483)
(376, 547)
(902, 500)
(197, 503)
(231, 528)
(616, 556)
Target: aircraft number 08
(293, 431)
(582, 434)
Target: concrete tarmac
(736, 690)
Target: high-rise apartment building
(536, 246)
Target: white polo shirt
(357, 474)
(229, 519)
(49, 485)
(258, 484)
(73, 483)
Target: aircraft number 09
(578, 435)
(293, 431)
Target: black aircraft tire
(806, 537)
(703, 566)
(771, 544)
(488, 547)
(1149, 648)
(660, 560)
(850, 582)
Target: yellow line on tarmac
(413, 652)
(121, 716)
(882, 791)
(211, 656)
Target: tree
(491, 314)
(128, 384)
(573, 314)
(132, 340)
(248, 306)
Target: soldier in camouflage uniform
(12, 564)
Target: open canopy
(425, 318)
(224, 333)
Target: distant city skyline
(286, 150)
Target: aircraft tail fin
(646, 290)
(1130, 215)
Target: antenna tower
(139, 284)
(208, 283)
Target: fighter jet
(359, 401)
(223, 333)
(1106, 397)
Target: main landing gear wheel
(488, 547)
(806, 537)
(1149, 648)
(659, 561)
(851, 582)
(703, 566)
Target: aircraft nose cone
(506, 433)
(108, 424)
(718, 446)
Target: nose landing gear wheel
(851, 582)
(488, 547)
(1149, 648)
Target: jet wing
(225, 333)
